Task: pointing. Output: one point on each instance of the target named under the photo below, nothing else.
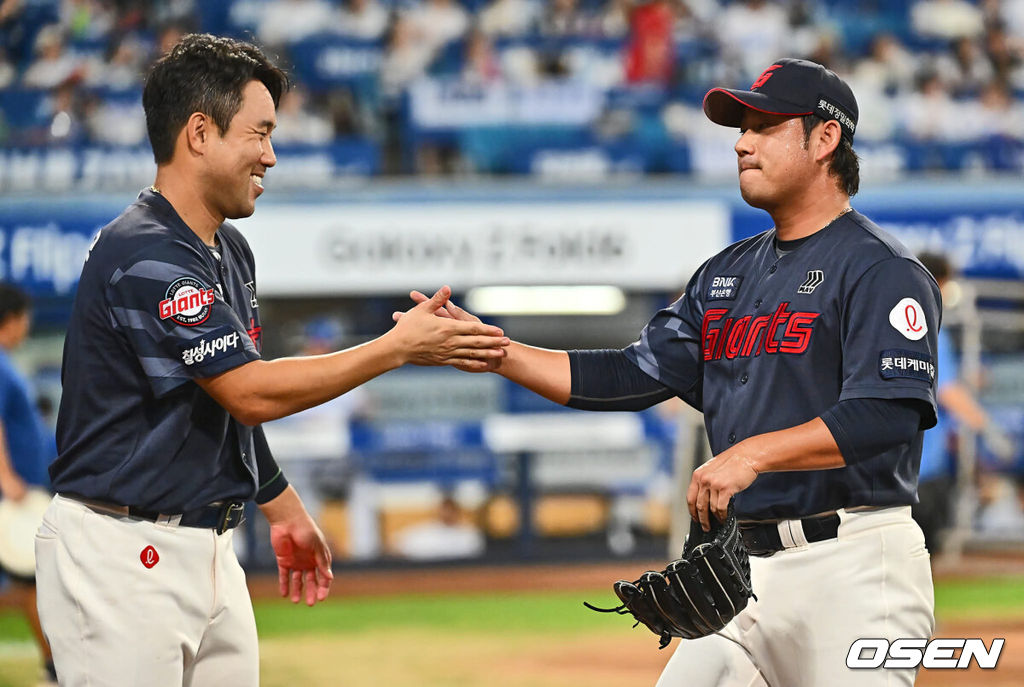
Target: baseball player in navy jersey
(811, 350)
(159, 432)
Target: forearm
(543, 371)
(285, 506)
(261, 390)
(809, 446)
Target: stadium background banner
(643, 238)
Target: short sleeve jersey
(764, 340)
(155, 309)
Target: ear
(197, 132)
(829, 135)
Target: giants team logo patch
(724, 288)
(899, 363)
(149, 557)
(908, 319)
(188, 302)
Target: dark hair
(845, 165)
(938, 264)
(13, 301)
(207, 74)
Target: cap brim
(726, 106)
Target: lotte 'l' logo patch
(149, 557)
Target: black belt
(221, 516)
(763, 539)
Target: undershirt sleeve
(271, 478)
(608, 379)
(866, 427)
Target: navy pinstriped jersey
(762, 342)
(155, 309)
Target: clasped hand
(438, 332)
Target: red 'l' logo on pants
(149, 557)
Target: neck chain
(828, 223)
(841, 213)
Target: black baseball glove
(696, 594)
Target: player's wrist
(392, 350)
(756, 454)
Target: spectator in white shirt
(509, 18)
(53, 64)
(297, 123)
(437, 22)
(946, 19)
(288, 21)
(363, 19)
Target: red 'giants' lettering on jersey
(748, 336)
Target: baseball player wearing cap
(811, 349)
(165, 389)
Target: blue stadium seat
(23, 108)
(328, 60)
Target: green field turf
(519, 612)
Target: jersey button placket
(771, 270)
(732, 437)
(743, 378)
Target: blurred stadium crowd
(581, 88)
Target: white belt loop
(791, 534)
(169, 520)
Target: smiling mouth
(256, 179)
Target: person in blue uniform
(811, 350)
(958, 409)
(164, 392)
(25, 449)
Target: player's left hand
(303, 557)
(715, 482)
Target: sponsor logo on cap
(830, 110)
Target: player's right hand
(438, 332)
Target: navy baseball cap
(789, 87)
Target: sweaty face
(773, 160)
(238, 158)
